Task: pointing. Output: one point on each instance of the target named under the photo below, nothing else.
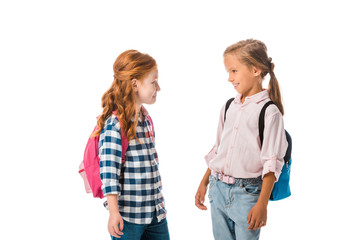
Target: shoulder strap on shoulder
(227, 106)
(152, 124)
(262, 121)
(124, 141)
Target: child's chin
(238, 90)
(152, 101)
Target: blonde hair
(254, 53)
(120, 97)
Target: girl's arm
(258, 214)
(110, 151)
(116, 223)
(200, 195)
(213, 151)
(272, 152)
(266, 189)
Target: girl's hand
(115, 225)
(257, 216)
(200, 196)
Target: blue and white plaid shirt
(137, 182)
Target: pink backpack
(89, 168)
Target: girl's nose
(157, 87)
(230, 79)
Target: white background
(56, 62)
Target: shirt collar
(256, 98)
(144, 111)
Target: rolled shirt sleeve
(274, 145)
(213, 152)
(110, 151)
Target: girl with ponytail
(132, 188)
(242, 171)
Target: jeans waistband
(231, 180)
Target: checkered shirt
(137, 182)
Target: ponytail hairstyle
(253, 53)
(120, 97)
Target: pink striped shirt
(237, 150)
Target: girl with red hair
(133, 188)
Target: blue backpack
(281, 188)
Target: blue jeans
(153, 231)
(230, 206)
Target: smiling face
(246, 80)
(146, 89)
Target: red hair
(120, 97)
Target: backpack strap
(288, 150)
(262, 126)
(262, 121)
(227, 106)
(152, 125)
(261, 117)
(124, 141)
(261, 132)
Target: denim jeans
(230, 206)
(153, 231)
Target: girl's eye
(234, 71)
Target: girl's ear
(256, 71)
(134, 84)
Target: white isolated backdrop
(56, 62)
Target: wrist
(112, 200)
(204, 182)
(114, 212)
(263, 202)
